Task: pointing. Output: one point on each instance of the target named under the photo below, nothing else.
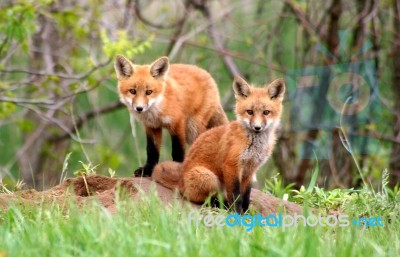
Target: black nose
(139, 108)
(258, 128)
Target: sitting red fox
(225, 159)
(181, 98)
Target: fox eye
(149, 92)
(132, 91)
(250, 112)
(266, 112)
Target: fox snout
(259, 125)
(139, 108)
(134, 105)
(253, 125)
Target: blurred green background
(58, 90)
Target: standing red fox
(181, 98)
(225, 159)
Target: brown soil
(104, 189)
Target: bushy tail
(168, 174)
(218, 118)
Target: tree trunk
(394, 164)
(39, 159)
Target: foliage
(111, 172)
(87, 169)
(276, 187)
(56, 65)
(320, 198)
(65, 167)
(69, 76)
(60, 54)
(18, 185)
(124, 44)
(17, 22)
(363, 202)
(152, 229)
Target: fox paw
(143, 172)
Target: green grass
(150, 229)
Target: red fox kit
(224, 159)
(181, 98)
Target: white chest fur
(257, 151)
(150, 118)
(153, 117)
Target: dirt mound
(104, 189)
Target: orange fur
(226, 158)
(182, 98)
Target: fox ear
(160, 67)
(276, 89)
(241, 87)
(123, 67)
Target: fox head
(141, 86)
(258, 108)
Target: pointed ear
(123, 67)
(160, 67)
(241, 87)
(276, 89)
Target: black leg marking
(178, 149)
(153, 155)
(246, 198)
(218, 201)
(237, 197)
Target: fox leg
(154, 136)
(178, 138)
(198, 184)
(245, 192)
(233, 188)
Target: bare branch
(181, 40)
(59, 123)
(98, 83)
(179, 28)
(60, 75)
(49, 103)
(309, 26)
(25, 101)
(228, 61)
(237, 55)
(82, 119)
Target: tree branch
(228, 61)
(25, 101)
(82, 119)
(61, 125)
(309, 26)
(60, 75)
(181, 40)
